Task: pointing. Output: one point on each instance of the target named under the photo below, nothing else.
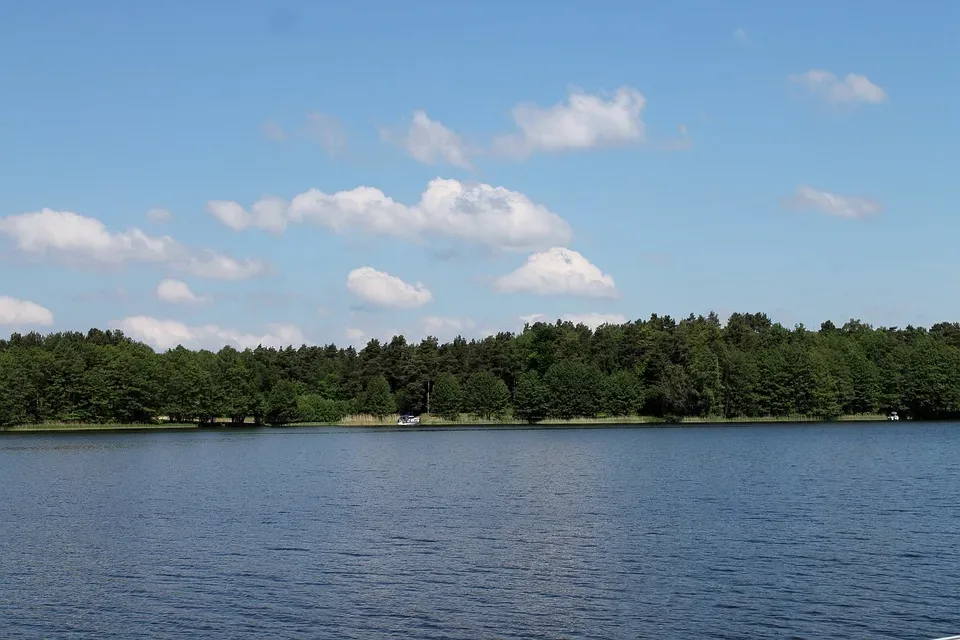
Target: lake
(788, 531)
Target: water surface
(819, 532)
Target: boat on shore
(408, 419)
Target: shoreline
(431, 422)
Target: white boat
(406, 420)
(894, 416)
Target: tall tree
(621, 394)
(447, 397)
(377, 399)
(530, 400)
(486, 395)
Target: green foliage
(281, 404)
(530, 398)
(660, 367)
(573, 389)
(486, 395)
(621, 394)
(447, 398)
(377, 399)
(312, 407)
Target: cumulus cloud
(429, 142)
(831, 204)
(581, 122)
(558, 271)
(384, 290)
(473, 212)
(49, 231)
(76, 238)
(177, 292)
(159, 214)
(163, 334)
(17, 313)
(852, 89)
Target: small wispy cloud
(850, 90)
(273, 131)
(740, 35)
(159, 214)
(831, 204)
(325, 130)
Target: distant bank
(434, 421)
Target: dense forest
(748, 367)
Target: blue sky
(593, 161)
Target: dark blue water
(721, 532)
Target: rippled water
(722, 532)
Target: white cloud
(594, 320)
(740, 35)
(77, 238)
(851, 89)
(216, 266)
(268, 213)
(166, 334)
(14, 312)
(833, 204)
(177, 292)
(582, 122)
(532, 318)
(447, 327)
(73, 234)
(159, 214)
(558, 271)
(384, 290)
(354, 334)
(480, 213)
(440, 323)
(429, 142)
(327, 131)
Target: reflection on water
(806, 532)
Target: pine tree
(530, 398)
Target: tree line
(749, 367)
